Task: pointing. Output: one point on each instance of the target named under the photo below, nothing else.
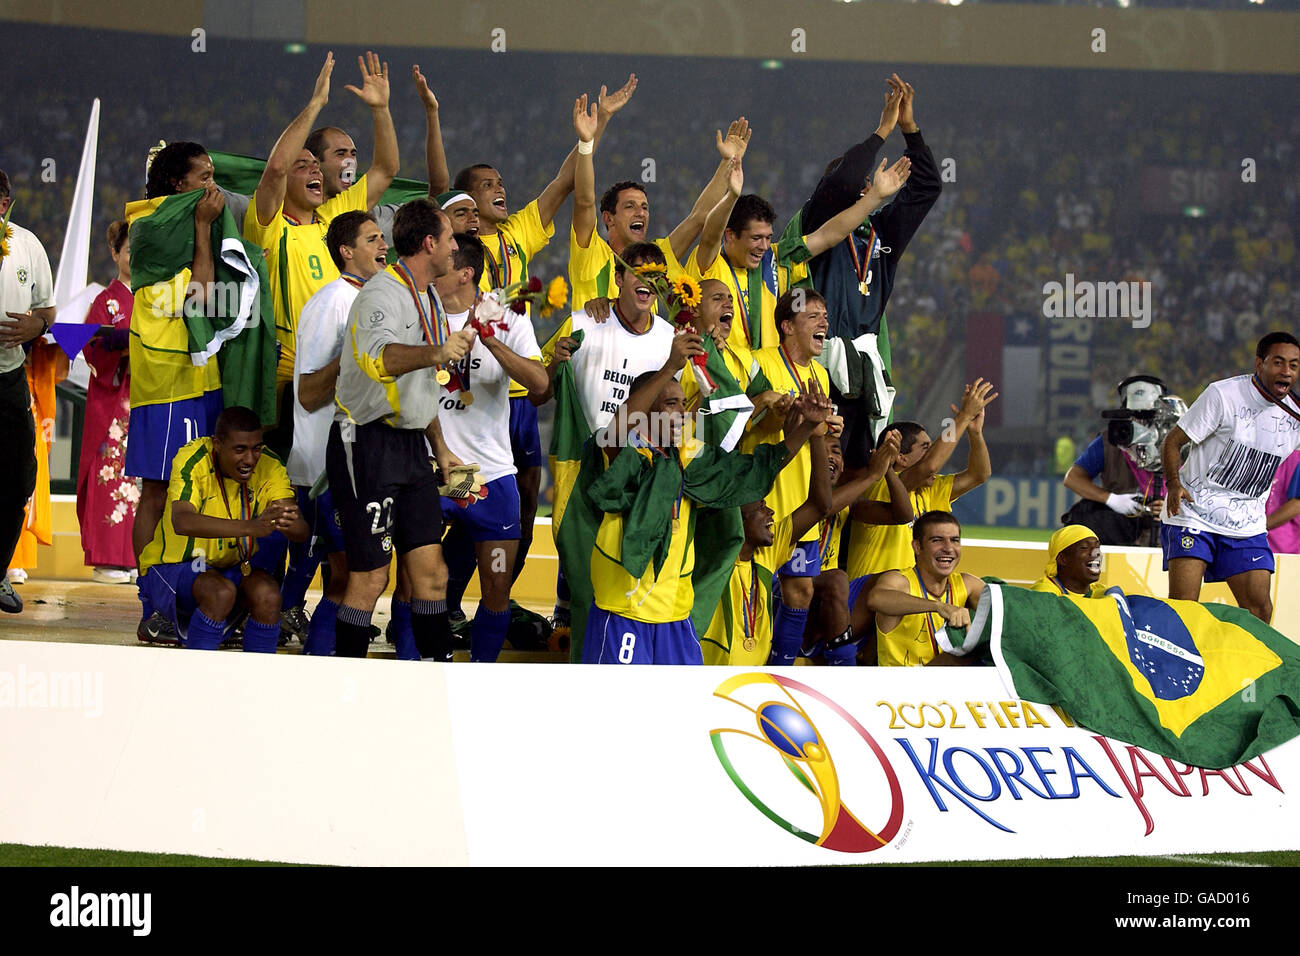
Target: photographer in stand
(1118, 475)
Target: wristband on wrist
(586, 147)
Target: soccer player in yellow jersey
(736, 249)
(1073, 564)
(873, 549)
(790, 367)
(290, 211)
(914, 605)
(225, 495)
(741, 630)
(829, 632)
(651, 490)
(625, 212)
(173, 401)
(510, 241)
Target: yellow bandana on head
(1070, 534)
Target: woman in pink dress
(106, 498)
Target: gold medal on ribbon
(467, 398)
(864, 288)
(750, 643)
(245, 568)
(443, 376)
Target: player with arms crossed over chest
(914, 604)
(1240, 430)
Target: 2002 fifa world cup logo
(786, 729)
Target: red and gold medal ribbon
(790, 367)
(861, 268)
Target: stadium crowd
(322, 375)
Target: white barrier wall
(379, 762)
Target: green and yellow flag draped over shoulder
(240, 174)
(235, 323)
(576, 465)
(1205, 684)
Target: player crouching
(224, 495)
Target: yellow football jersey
(591, 270)
(888, 547)
(750, 318)
(911, 643)
(159, 350)
(740, 632)
(1051, 585)
(298, 264)
(738, 364)
(194, 479)
(508, 253)
(654, 599)
(772, 370)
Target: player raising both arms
(290, 212)
(510, 240)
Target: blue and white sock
(260, 638)
(787, 635)
(204, 634)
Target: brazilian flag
(577, 465)
(241, 174)
(1205, 684)
(237, 323)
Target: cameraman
(1125, 508)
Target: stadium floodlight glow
(772, 64)
(1195, 212)
(954, 3)
(295, 48)
(1124, 4)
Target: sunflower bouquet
(680, 297)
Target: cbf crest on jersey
(22, 276)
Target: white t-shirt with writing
(609, 360)
(320, 341)
(479, 433)
(1239, 438)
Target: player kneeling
(224, 495)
